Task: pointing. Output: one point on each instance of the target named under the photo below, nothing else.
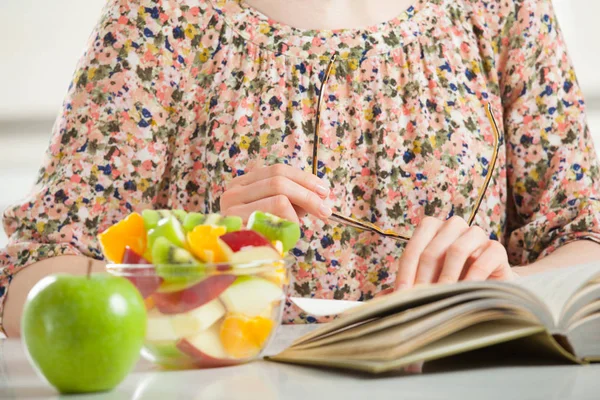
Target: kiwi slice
(166, 253)
(189, 269)
(192, 220)
(232, 223)
(168, 228)
(179, 277)
(177, 284)
(275, 228)
(151, 218)
(180, 214)
(178, 267)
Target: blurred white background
(41, 41)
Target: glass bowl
(209, 315)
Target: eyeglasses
(367, 226)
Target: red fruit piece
(202, 359)
(245, 238)
(146, 285)
(194, 296)
(131, 257)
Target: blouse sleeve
(552, 170)
(109, 148)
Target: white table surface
(265, 380)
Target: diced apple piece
(159, 327)
(251, 296)
(198, 319)
(255, 254)
(194, 296)
(172, 327)
(206, 349)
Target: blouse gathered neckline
(283, 39)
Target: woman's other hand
(279, 189)
(449, 251)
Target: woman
(211, 105)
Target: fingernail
(324, 210)
(322, 191)
(401, 286)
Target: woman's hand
(281, 190)
(449, 251)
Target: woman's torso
(403, 128)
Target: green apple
(251, 296)
(84, 333)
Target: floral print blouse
(174, 98)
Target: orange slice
(205, 244)
(127, 232)
(244, 337)
(278, 246)
(149, 302)
(277, 275)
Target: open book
(557, 312)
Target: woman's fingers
(301, 212)
(409, 261)
(491, 264)
(303, 178)
(305, 192)
(278, 205)
(457, 255)
(449, 251)
(298, 195)
(432, 257)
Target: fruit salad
(213, 288)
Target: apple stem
(89, 268)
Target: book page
(481, 335)
(402, 317)
(590, 308)
(584, 336)
(403, 300)
(400, 341)
(426, 316)
(556, 287)
(285, 335)
(575, 308)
